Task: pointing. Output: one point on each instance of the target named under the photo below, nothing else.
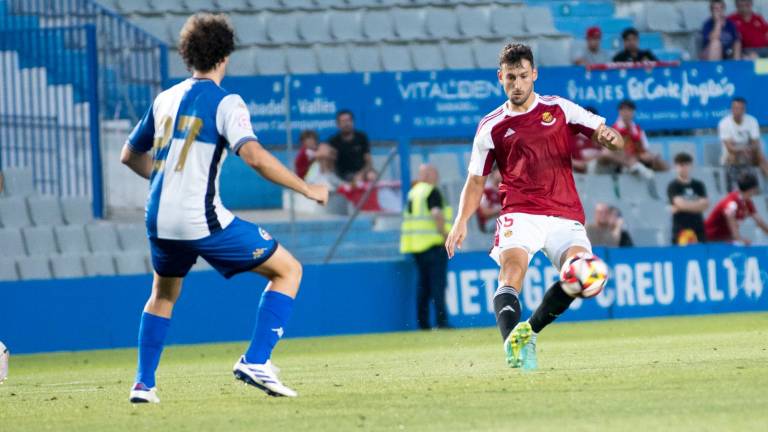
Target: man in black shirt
(353, 151)
(632, 51)
(688, 198)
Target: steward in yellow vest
(425, 224)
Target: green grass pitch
(704, 373)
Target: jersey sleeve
(143, 135)
(233, 121)
(754, 129)
(724, 131)
(481, 161)
(579, 119)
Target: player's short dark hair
(711, 2)
(747, 181)
(626, 103)
(683, 158)
(342, 112)
(206, 40)
(630, 31)
(739, 99)
(307, 134)
(515, 53)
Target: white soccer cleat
(263, 377)
(143, 394)
(4, 356)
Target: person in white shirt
(742, 150)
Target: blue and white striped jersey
(188, 127)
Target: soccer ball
(583, 275)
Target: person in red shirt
(723, 223)
(752, 28)
(528, 138)
(313, 160)
(637, 159)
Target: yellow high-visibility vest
(419, 230)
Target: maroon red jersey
(532, 151)
(734, 204)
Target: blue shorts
(238, 248)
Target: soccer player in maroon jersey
(528, 140)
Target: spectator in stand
(632, 52)
(723, 223)
(585, 152)
(605, 229)
(592, 53)
(752, 28)
(490, 203)
(742, 151)
(688, 198)
(353, 151)
(314, 160)
(720, 38)
(636, 158)
(625, 240)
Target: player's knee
(290, 269)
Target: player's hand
(317, 193)
(609, 138)
(455, 238)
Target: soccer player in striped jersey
(180, 145)
(527, 138)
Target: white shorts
(532, 233)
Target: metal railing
(133, 65)
(65, 65)
(49, 109)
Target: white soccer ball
(583, 275)
(3, 362)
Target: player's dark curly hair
(514, 53)
(747, 181)
(205, 40)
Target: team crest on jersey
(547, 119)
(507, 233)
(258, 253)
(264, 234)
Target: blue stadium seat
(271, 61)
(102, 237)
(507, 21)
(128, 263)
(249, 28)
(427, 57)
(18, 182)
(133, 237)
(99, 264)
(301, 60)
(441, 23)
(281, 28)
(409, 24)
(76, 210)
(345, 26)
(313, 27)
(395, 57)
(458, 55)
(67, 266)
(14, 213)
(365, 58)
(377, 26)
(539, 21)
(39, 240)
(332, 59)
(45, 210)
(474, 21)
(242, 62)
(13, 242)
(33, 268)
(8, 272)
(71, 239)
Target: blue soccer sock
(274, 311)
(152, 331)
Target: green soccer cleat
(516, 342)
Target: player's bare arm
(608, 137)
(140, 163)
(471, 195)
(258, 158)
(733, 225)
(760, 222)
